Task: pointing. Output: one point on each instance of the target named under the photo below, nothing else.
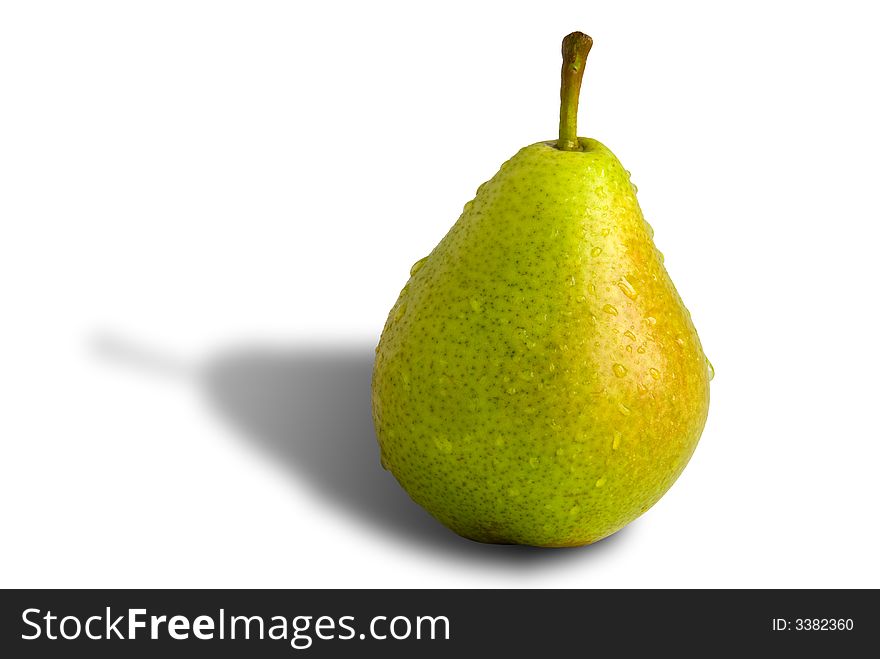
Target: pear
(539, 380)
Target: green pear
(539, 380)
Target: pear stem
(575, 48)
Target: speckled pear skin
(539, 380)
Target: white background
(209, 207)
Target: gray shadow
(307, 408)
